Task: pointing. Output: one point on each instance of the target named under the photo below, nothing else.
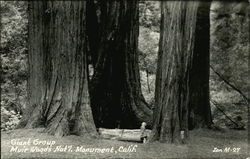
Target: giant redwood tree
(199, 105)
(57, 84)
(116, 97)
(176, 49)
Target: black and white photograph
(125, 79)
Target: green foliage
(9, 119)
(229, 57)
(13, 24)
(230, 49)
(14, 61)
(148, 49)
(150, 14)
(148, 46)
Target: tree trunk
(134, 135)
(199, 107)
(149, 91)
(57, 85)
(174, 61)
(116, 96)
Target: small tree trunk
(174, 61)
(116, 96)
(57, 85)
(149, 91)
(199, 106)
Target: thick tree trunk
(57, 85)
(174, 61)
(116, 96)
(199, 107)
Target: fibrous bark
(57, 84)
(199, 105)
(116, 96)
(174, 61)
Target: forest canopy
(119, 52)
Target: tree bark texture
(174, 61)
(116, 96)
(58, 85)
(199, 106)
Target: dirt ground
(202, 144)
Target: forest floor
(201, 145)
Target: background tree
(116, 96)
(199, 106)
(148, 44)
(174, 60)
(57, 84)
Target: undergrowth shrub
(9, 119)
